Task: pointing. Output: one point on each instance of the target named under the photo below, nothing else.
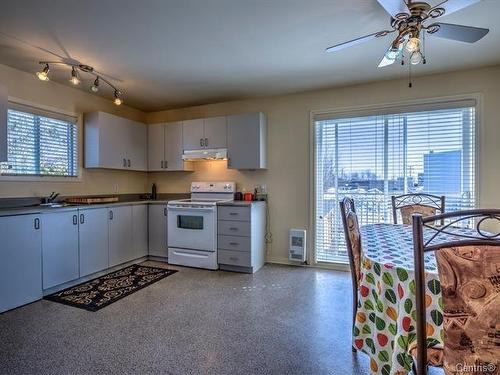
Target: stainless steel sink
(55, 205)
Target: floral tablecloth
(385, 325)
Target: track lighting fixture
(43, 75)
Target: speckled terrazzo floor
(281, 320)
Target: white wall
(288, 177)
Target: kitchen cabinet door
(136, 146)
(3, 123)
(20, 261)
(59, 248)
(156, 147)
(215, 132)
(246, 141)
(173, 148)
(139, 231)
(158, 230)
(105, 141)
(120, 234)
(193, 134)
(93, 240)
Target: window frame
(50, 112)
(374, 109)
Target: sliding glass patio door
(371, 158)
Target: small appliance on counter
(192, 225)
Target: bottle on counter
(153, 192)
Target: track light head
(74, 77)
(95, 86)
(118, 100)
(44, 74)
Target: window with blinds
(371, 158)
(38, 145)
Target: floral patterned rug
(100, 292)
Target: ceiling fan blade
(451, 6)
(394, 7)
(461, 33)
(385, 62)
(350, 43)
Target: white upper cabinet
(215, 132)
(156, 147)
(114, 142)
(173, 148)
(193, 134)
(247, 141)
(204, 133)
(3, 123)
(165, 148)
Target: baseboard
(286, 261)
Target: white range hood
(205, 154)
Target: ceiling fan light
(413, 45)
(44, 74)
(74, 77)
(416, 58)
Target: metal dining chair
(469, 274)
(416, 203)
(353, 244)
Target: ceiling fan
(410, 20)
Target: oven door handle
(191, 209)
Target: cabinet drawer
(234, 213)
(234, 258)
(234, 243)
(234, 228)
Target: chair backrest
(352, 236)
(409, 204)
(469, 273)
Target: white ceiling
(176, 53)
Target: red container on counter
(248, 197)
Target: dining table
(385, 322)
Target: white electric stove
(192, 225)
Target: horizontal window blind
(39, 145)
(371, 158)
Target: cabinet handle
(37, 223)
(75, 220)
(166, 164)
(233, 214)
(82, 218)
(201, 142)
(165, 211)
(124, 162)
(228, 162)
(162, 164)
(206, 142)
(233, 243)
(129, 163)
(110, 215)
(233, 258)
(233, 228)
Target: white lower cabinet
(93, 240)
(20, 261)
(59, 248)
(139, 231)
(158, 230)
(120, 234)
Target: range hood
(205, 154)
